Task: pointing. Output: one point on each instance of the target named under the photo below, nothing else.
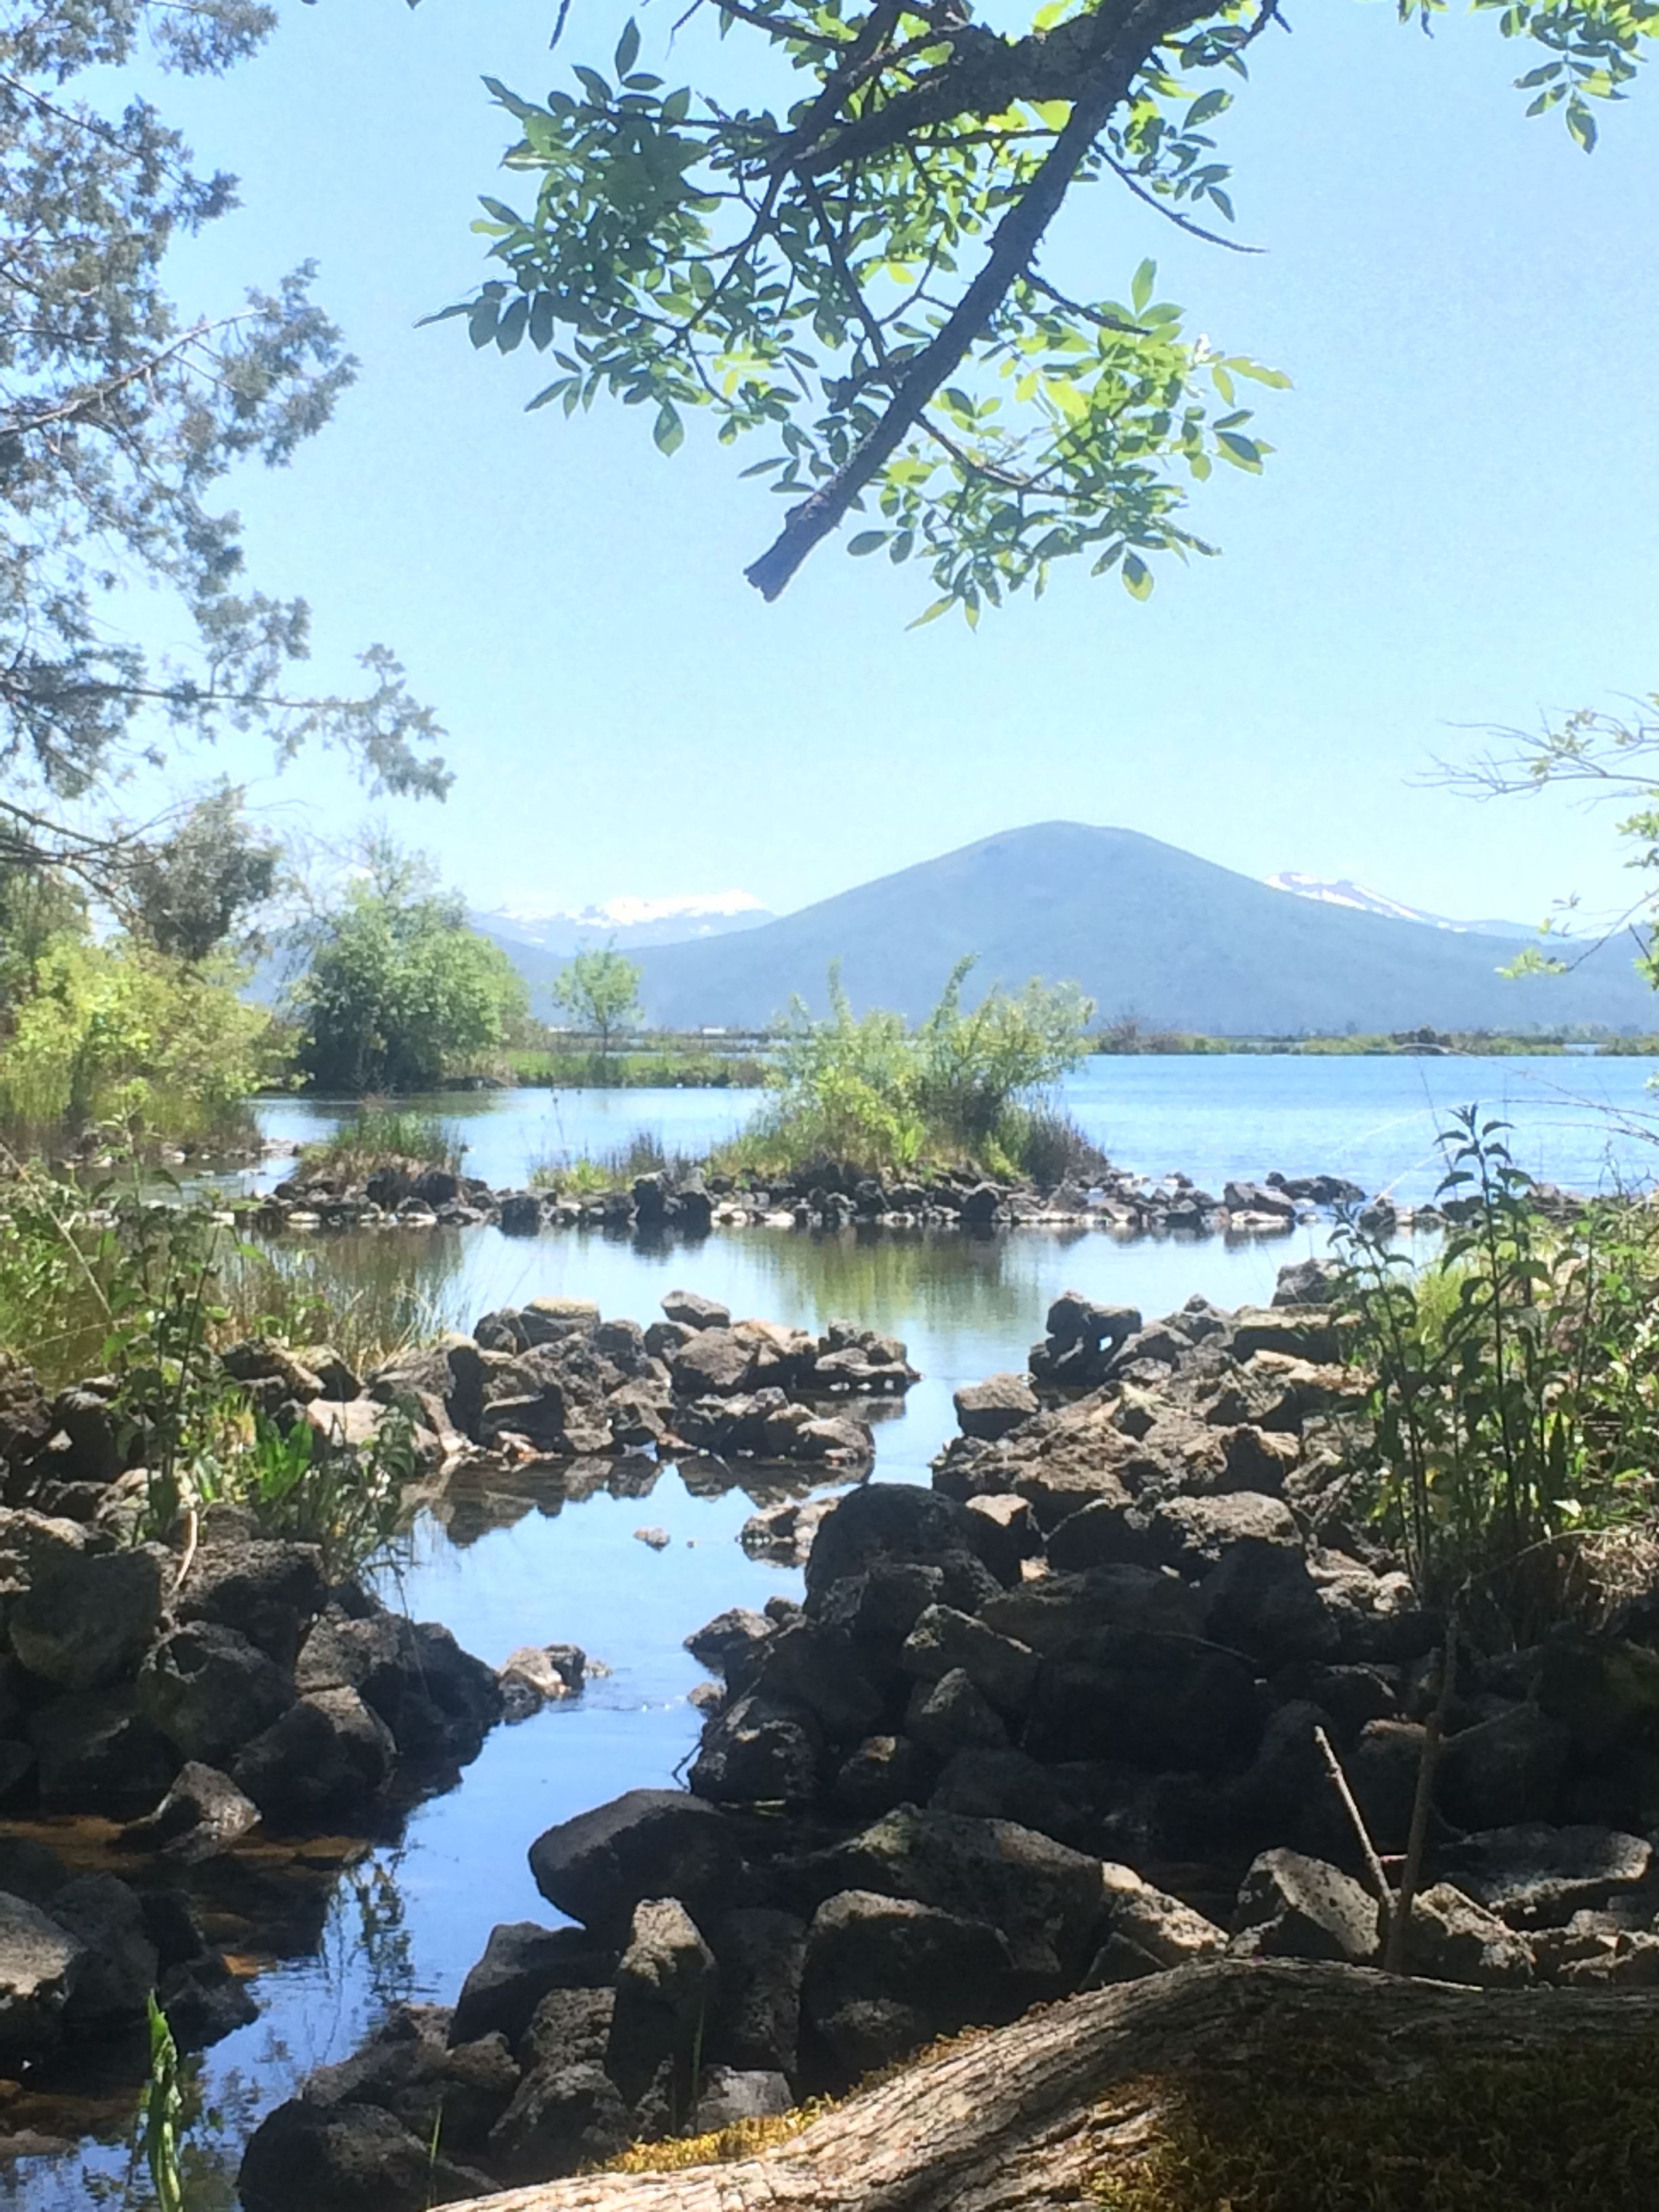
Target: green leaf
(510, 329)
(541, 319)
(1581, 124)
(594, 85)
(1141, 291)
(932, 614)
(627, 48)
(867, 541)
(1209, 104)
(1242, 452)
(1137, 577)
(669, 431)
(481, 321)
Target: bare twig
(1395, 1955)
(1379, 1879)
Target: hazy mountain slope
(1144, 927)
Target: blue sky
(1457, 527)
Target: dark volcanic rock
(210, 1690)
(760, 1749)
(1294, 1907)
(328, 1754)
(648, 1843)
(40, 1965)
(264, 1589)
(884, 1974)
(97, 1753)
(522, 1962)
(346, 2158)
(990, 1409)
(85, 1621)
(1535, 1876)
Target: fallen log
(1034, 2117)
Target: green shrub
(1513, 1411)
(133, 1043)
(377, 1136)
(870, 1092)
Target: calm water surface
(534, 1568)
(1374, 1120)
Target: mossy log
(1043, 2114)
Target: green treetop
(855, 273)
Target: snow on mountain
(630, 919)
(1344, 892)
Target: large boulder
(97, 1753)
(210, 1690)
(1155, 1701)
(1057, 1611)
(760, 1750)
(40, 1966)
(757, 2021)
(118, 1969)
(999, 1667)
(202, 1815)
(347, 2158)
(1044, 1898)
(694, 1311)
(890, 1522)
(884, 1974)
(715, 1363)
(1147, 1930)
(1536, 1876)
(329, 1754)
(521, 1963)
(1294, 1907)
(647, 1842)
(666, 1988)
(990, 1409)
(1453, 1939)
(265, 1589)
(86, 1621)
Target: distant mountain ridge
(1145, 928)
(629, 920)
(1343, 892)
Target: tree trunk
(1022, 2119)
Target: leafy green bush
(135, 1042)
(1515, 1405)
(869, 1092)
(399, 992)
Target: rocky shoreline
(196, 1697)
(1060, 1719)
(823, 1197)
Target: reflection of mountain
(1143, 927)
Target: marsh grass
(586, 1175)
(381, 1137)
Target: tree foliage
(193, 889)
(133, 1043)
(121, 413)
(399, 992)
(599, 989)
(854, 272)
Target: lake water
(534, 1567)
(1578, 1119)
